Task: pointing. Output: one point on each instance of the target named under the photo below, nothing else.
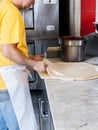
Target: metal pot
(73, 48)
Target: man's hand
(39, 66)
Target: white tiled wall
(96, 10)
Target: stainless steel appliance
(28, 15)
(42, 19)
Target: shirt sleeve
(10, 29)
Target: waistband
(15, 67)
(4, 95)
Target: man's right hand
(39, 66)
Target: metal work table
(73, 104)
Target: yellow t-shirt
(12, 31)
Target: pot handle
(86, 38)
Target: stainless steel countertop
(73, 104)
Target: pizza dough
(70, 71)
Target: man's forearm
(12, 53)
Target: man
(16, 111)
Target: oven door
(28, 15)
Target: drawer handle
(43, 111)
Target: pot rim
(72, 38)
(70, 43)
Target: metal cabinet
(44, 115)
(32, 78)
(37, 86)
(42, 110)
(45, 118)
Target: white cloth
(16, 80)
